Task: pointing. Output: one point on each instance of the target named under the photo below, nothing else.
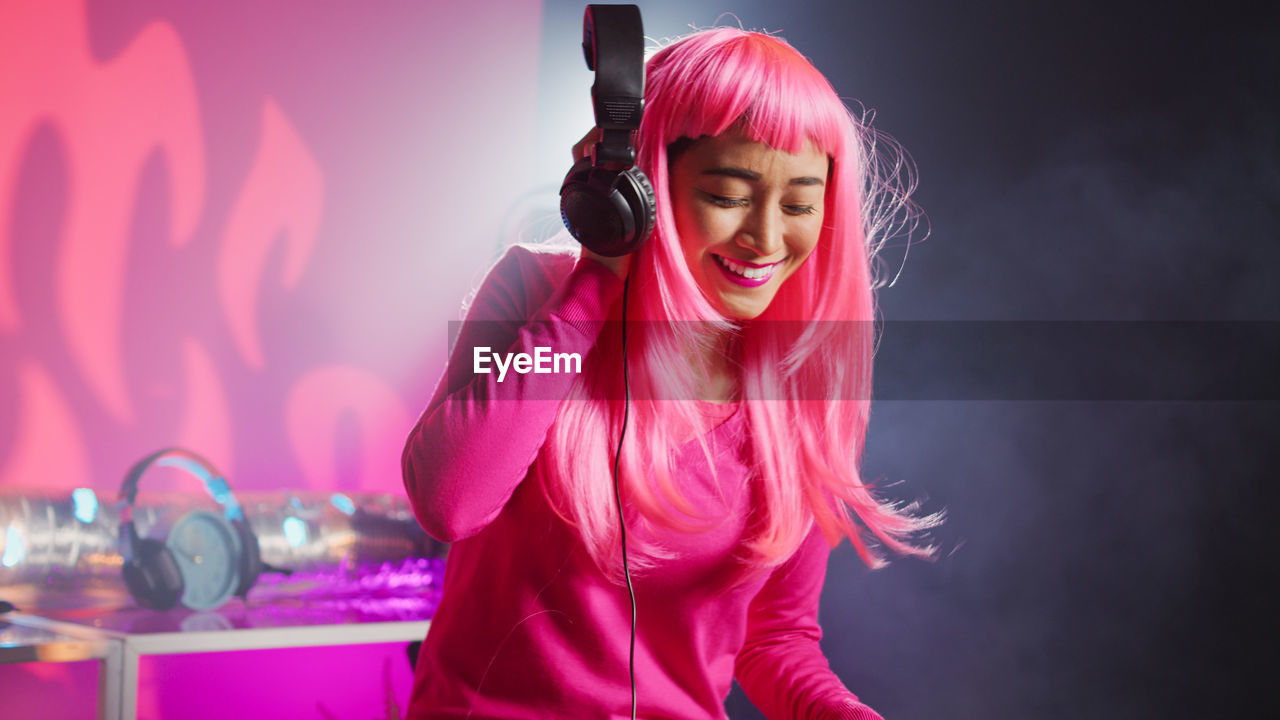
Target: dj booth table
(119, 637)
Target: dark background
(1086, 162)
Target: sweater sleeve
(481, 432)
(781, 667)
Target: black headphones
(607, 202)
(152, 573)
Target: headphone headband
(613, 43)
(214, 481)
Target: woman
(748, 358)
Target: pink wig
(804, 365)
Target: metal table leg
(110, 681)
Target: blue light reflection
(343, 503)
(14, 548)
(85, 503)
(295, 531)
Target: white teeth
(750, 273)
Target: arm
(780, 667)
(478, 437)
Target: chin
(739, 311)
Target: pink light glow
(315, 408)
(108, 141)
(281, 199)
(206, 419)
(48, 451)
(243, 227)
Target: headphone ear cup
(153, 576)
(611, 213)
(637, 191)
(250, 557)
(588, 210)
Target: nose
(761, 231)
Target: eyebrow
(744, 174)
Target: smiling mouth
(752, 274)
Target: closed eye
(800, 209)
(724, 201)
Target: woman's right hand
(581, 151)
(618, 265)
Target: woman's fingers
(583, 148)
(618, 265)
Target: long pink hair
(804, 365)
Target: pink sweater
(528, 627)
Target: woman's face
(748, 216)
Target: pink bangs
(757, 84)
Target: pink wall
(243, 227)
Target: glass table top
(394, 592)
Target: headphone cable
(617, 494)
